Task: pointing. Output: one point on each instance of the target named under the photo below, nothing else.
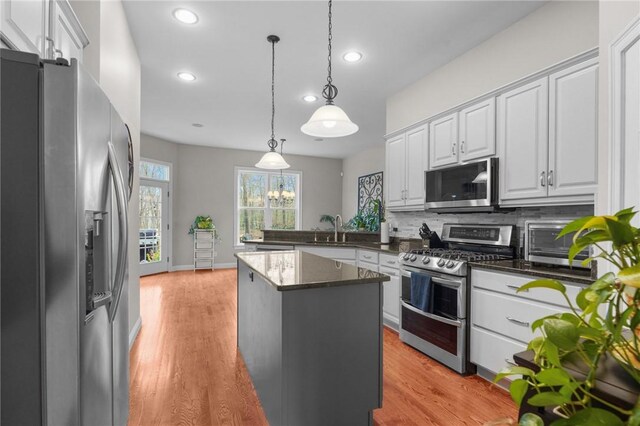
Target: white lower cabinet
(391, 300)
(501, 319)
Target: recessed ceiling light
(197, 125)
(309, 98)
(186, 76)
(352, 56)
(185, 16)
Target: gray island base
(310, 334)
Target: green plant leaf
(545, 399)
(550, 352)
(552, 284)
(577, 247)
(513, 371)
(581, 298)
(626, 215)
(574, 226)
(561, 333)
(592, 417)
(553, 377)
(518, 389)
(634, 418)
(568, 389)
(591, 334)
(536, 344)
(621, 233)
(607, 280)
(630, 276)
(530, 419)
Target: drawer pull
(515, 287)
(391, 262)
(366, 257)
(517, 321)
(508, 361)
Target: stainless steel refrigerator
(65, 182)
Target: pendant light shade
(329, 121)
(272, 160)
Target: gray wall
(363, 163)
(203, 183)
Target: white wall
(547, 36)
(203, 184)
(360, 164)
(615, 16)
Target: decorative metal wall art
(369, 189)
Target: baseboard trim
(216, 266)
(133, 334)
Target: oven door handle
(406, 272)
(454, 323)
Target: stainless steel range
(434, 302)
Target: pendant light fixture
(329, 121)
(272, 160)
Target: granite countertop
(518, 266)
(383, 248)
(295, 269)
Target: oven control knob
(441, 263)
(413, 258)
(426, 259)
(406, 256)
(451, 264)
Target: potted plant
(379, 209)
(603, 322)
(203, 222)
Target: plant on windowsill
(204, 222)
(583, 334)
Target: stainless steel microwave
(470, 186)
(542, 245)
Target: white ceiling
(228, 52)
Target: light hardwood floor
(186, 370)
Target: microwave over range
(463, 187)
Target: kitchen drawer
(508, 283)
(204, 244)
(491, 351)
(330, 252)
(204, 254)
(368, 256)
(204, 263)
(389, 260)
(507, 315)
(368, 265)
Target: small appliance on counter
(542, 245)
(430, 238)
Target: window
(266, 200)
(155, 171)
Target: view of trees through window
(264, 204)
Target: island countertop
(296, 269)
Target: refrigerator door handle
(123, 230)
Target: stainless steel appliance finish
(442, 331)
(541, 244)
(78, 152)
(464, 187)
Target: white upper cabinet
(23, 25)
(48, 28)
(406, 159)
(395, 171)
(478, 130)
(443, 136)
(67, 38)
(416, 153)
(522, 141)
(573, 130)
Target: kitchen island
(310, 334)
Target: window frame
(267, 206)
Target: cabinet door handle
(550, 178)
(453, 148)
(517, 321)
(542, 179)
(508, 361)
(251, 276)
(462, 147)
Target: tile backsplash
(408, 223)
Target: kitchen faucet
(335, 224)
